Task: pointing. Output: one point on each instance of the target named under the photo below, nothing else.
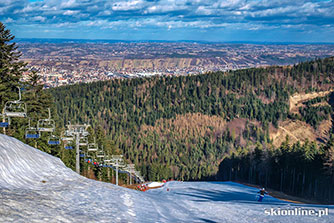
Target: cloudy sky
(210, 20)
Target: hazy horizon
(167, 41)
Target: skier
(262, 192)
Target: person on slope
(262, 192)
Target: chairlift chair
(68, 147)
(83, 141)
(67, 142)
(92, 147)
(31, 132)
(107, 159)
(3, 122)
(67, 136)
(46, 125)
(100, 153)
(116, 157)
(16, 109)
(53, 140)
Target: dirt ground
(300, 131)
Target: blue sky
(208, 20)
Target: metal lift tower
(77, 131)
(117, 161)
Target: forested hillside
(183, 127)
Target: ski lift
(139, 176)
(31, 132)
(107, 159)
(92, 147)
(68, 147)
(53, 140)
(82, 154)
(67, 136)
(83, 131)
(30, 135)
(3, 122)
(100, 155)
(107, 162)
(17, 109)
(46, 125)
(83, 141)
(66, 143)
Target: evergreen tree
(11, 68)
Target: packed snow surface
(36, 187)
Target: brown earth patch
(300, 131)
(297, 100)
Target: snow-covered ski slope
(36, 187)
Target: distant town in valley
(69, 62)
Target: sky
(174, 20)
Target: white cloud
(9, 20)
(202, 10)
(127, 5)
(231, 3)
(68, 3)
(105, 13)
(39, 19)
(70, 12)
(162, 8)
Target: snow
(155, 184)
(36, 187)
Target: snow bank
(22, 166)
